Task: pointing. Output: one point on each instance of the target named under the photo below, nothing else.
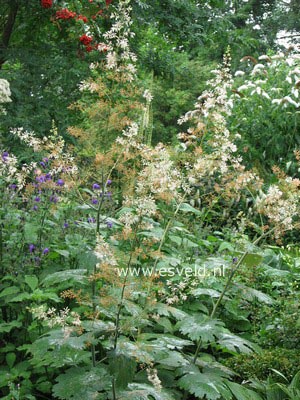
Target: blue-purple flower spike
(60, 182)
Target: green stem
(120, 306)
(93, 350)
(229, 280)
(162, 241)
(197, 351)
(114, 389)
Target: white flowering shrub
(266, 108)
(5, 94)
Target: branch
(288, 36)
(7, 32)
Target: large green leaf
(73, 275)
(32, 281)
(250, 294)
(165, 341)
(140, 351)
(43, 354)
(142, 391)
(242, 393)
(6, 327)
(9, 291)
(204, 385)
(173, 360)
(167, 311)
(185, 207)
(201, 327)
(36, 296)
(122, 369)
(205, 292)
(81, 383)
(236, 344)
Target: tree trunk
(7, 31)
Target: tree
(46, 48)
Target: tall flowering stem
(120, 306)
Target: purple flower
(13, 186)
(66, 225)
(40, 179)
(108, 194)
(60, 182)
(96, 186)
(109, 224)
(31, 248)
(35, 207)
(43, 164)
(48, 177)
(45, 251)
(37, 199)
(5, 156)
(94, 201)
(108, 182)
(53, 199)
(235, 260)
(91, 219)
(46, 159)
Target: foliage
(133, 271)
(273, 389)
(265, 364)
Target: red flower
(82, 18)
(64, 13)
(86, 40)
(46, 3)
(108, 2)
(89, 48)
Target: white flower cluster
(209, 114)
(129, 138)
(153, 378)
(54, 145)
(280, 207)
(142, 206)
(223, 155)
(261, 74)
(178, 292)
(214, 101)
(217, 157)
(63, 318)
(5, 92)
(10, 172)
(88, 85)
(104, 253)
(29, 138)
(159, 177)
(148, 96)
(119, 57)
(8, 166)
